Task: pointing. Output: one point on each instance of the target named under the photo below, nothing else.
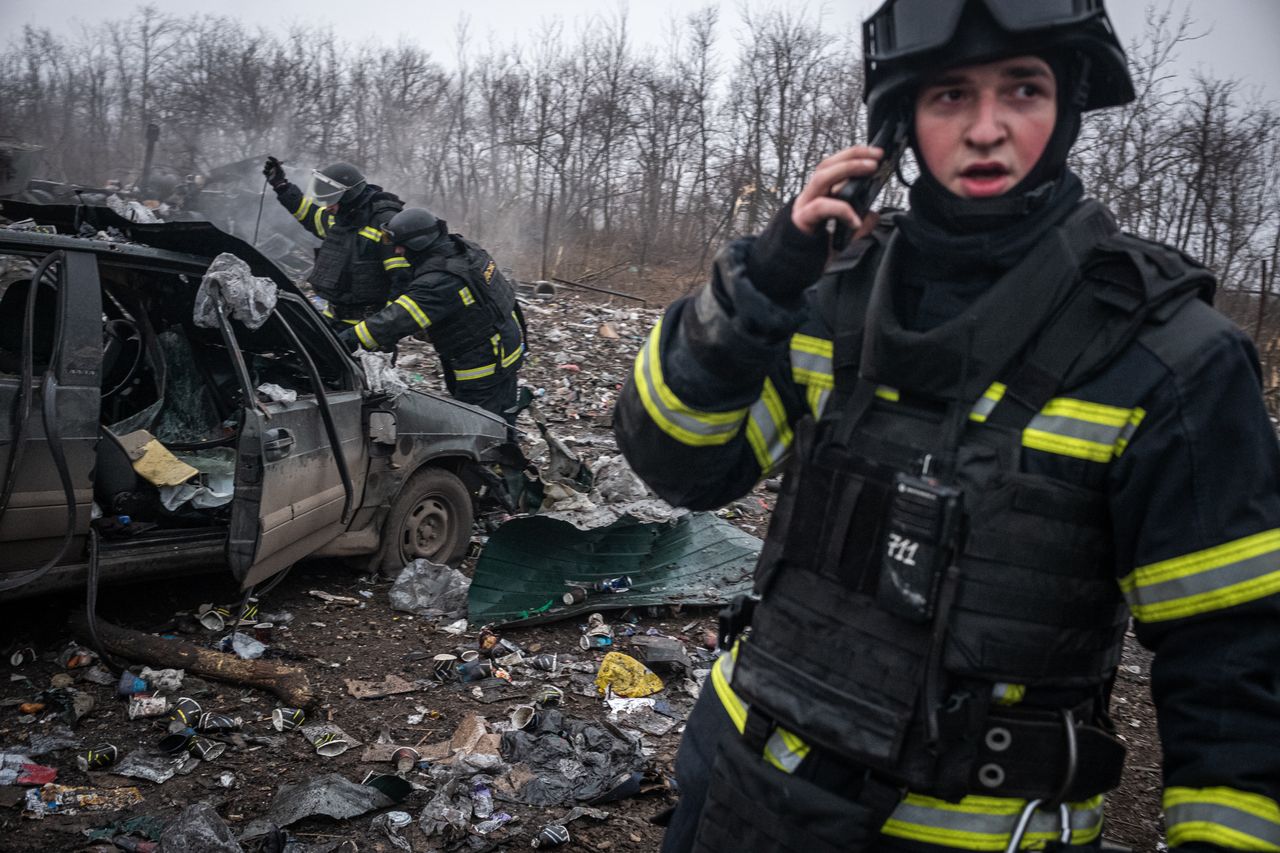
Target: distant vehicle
(113, 350)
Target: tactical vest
(911, 565)
(348, 266)
(495, 298)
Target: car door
(49, 425)
(294, 493)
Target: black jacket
(1173, 430)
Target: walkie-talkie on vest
(861, 193)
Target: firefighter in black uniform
(462, 302)
(1008, 430)
(355, 272)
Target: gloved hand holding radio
(791, 252)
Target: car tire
(431, 518)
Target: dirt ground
(577, 369)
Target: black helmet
(414, 227)
(340, 182)
(906, 39)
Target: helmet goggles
(325, 190)
(907, 27)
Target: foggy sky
(1240, 41)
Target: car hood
(194, 237)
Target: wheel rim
(426, 530)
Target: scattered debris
(69, 800)
(390, 686)
(429, 589)
(329, 795)
(623, 675)
(530, 562)
(199, 829)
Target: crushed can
(143, 705)
(595, 641)
(619, 584)
(98, 758)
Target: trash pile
(534, 698)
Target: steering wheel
(122, 355)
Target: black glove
(784, 261)
(350, 340)
(274, 172)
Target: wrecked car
(110, 392)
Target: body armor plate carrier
(348, 268)
(909, 547)
(495, 297)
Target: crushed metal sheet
(529, 564)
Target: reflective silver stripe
(1083, 430)
(810, 369)
(987, 402)
(1215, 578)
(414, 310)
(768, 432)
(475, 372)
(303, 206)
(783, 749)
(1231, 819)
(684, 424)
(986, 823)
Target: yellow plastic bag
(626, 676)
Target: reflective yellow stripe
(811, 361)
(884, 392)
(371, 233)
(303, 206)
(510, 359)
(684, 424)
(768, 432)
(1236, 820)
(1008, 694)
(467, 298)
(475, 372)
(986, 823)
(987, 402)
(489, 271)
(1213, 579)
(362, 332)
(783, 750)
(396, 263)
(319, 221)
(419, 316)
(1082, 430)
(817, 398)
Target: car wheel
(431, 518)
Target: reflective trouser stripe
(686, 425)
(974, 823)
(362, 332)
(1213, 579)
(1235, 820)
(419, 316)
(986, 823)
(475, 372)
